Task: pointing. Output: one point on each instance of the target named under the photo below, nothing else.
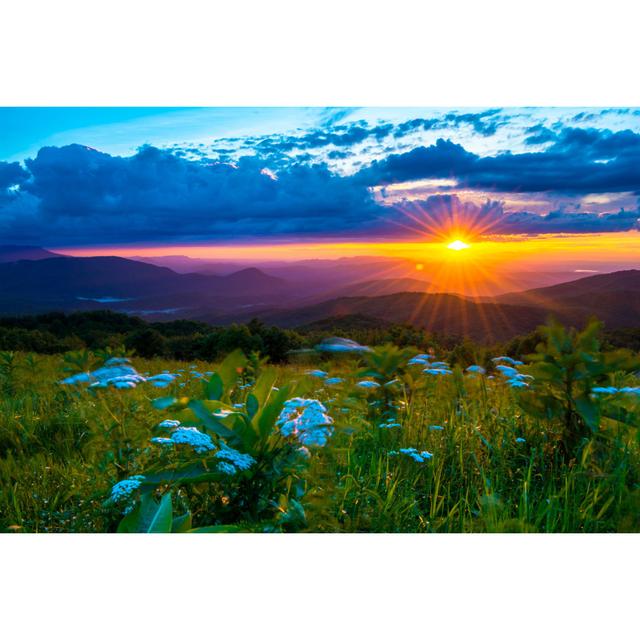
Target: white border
(334, 52)
(319, 52)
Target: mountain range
(34, 280)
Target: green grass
(61, 450)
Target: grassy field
(461, 451)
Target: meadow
(339, 439)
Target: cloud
(77, 195)
(579, 161)
(84, 195)
(449, 212)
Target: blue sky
(131, 175)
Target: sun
(458, 245)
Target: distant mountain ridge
(13, 253)
(43, 282)
(66, 283)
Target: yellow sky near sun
(525, 252)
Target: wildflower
(421, 456)
(169, 424)
(304, 452)
(476, 368)
(391, 383)
(163, 441)
(77, 378)
(125, 488)
(307, 419)
(436, 427)
(340, 345)
(317, 373)
(508, 360)
(226, 468)
(520, 440)
(162, 379)
(506, 371)
(368, 384)
(419, 360)
(123, 384)
(437, 372)
(240, 460)
(331, 381)
(238, 405)
(389, 425)
(605, 390)
(114, 361)
(517, 384)
(439, 365)
(200, 442)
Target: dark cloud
(84, 195)
(447, 211)
(75, 194)
(579, 161)
(11, 174)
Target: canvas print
(323, 319)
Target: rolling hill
(12, 253)
(65, 283)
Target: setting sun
(458, 245)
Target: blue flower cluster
(124, 489)
(414, 454)
(307, 420)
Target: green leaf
(162, 519)
(214, 388)
(589, 412)
(269, 413)
(210, 422)
(230, 369)
(149, 516)
(264, 385)
(181, 524)
(252, 405)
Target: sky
(339, 181)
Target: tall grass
(494, 468)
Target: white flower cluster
(229, 456)
(368, 384)
(414, 454)
(476, 368)
(200, 442)
(123, 489)
(615, 390)
(119, 374)
(508, 360)
(340, 345)
(307, 420)
(317, 373)
(431, 368)
(515, 379)
(389, 424)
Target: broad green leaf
(252, 405)
(210, 422)
(162, 519)
(213, 389)
(230, 369)
(181, 524)
(148, 516)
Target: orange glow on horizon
(514, 251)
(491, 265)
